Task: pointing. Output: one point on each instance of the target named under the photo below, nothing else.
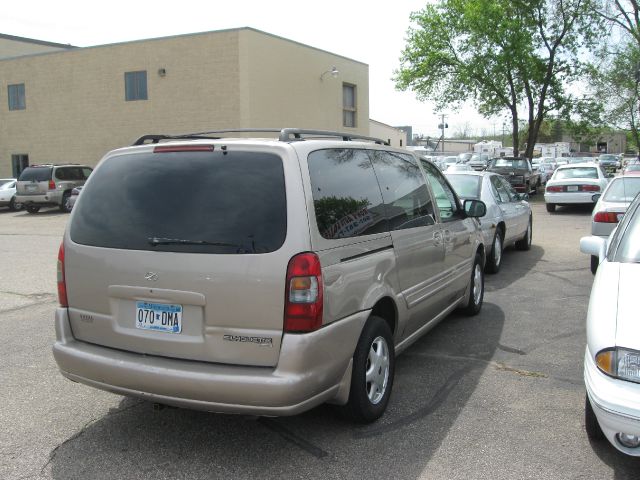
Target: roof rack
(285, 135)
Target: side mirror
(523, 196)
(593, 245)
(475, 208)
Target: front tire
(551, 207)
(495, 258)
(595, 261)
(372, 373)
(476, 288)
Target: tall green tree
(516, 56)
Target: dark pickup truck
(518, 171)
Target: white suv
(288, 273)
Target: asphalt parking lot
(497, 396)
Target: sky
(373, 32)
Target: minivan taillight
(303, 296)
(62, 284)
(52, 185)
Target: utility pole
(442, 126)
(503, 128)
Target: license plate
(32, 188)
(572, 188)
(159, 316)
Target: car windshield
(622, 189)
(576, 172)
(513, 163)
(628, 250)
(450, 159)
(608, 158)
(633, 168)
(36, 174)
(466, 186)
(5, 184)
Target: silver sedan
(508, 219)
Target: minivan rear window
(35, 174)
(193, 202)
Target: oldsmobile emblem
(151, 276)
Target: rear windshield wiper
(180, 241)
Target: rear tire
(476, 288)
(551, 207)
(591, 425)
(372, 373)
(595, 261)
(32, 209)
(495, 257)
(525, 242)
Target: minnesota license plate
(572, 188)
(159, 316)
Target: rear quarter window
(346, 195)
(193, 202)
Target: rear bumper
(570, 198)
(313, 368)
(53, 197)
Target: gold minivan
(261, 276)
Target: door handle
(447, 236)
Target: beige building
(395, 136)
(67, 104)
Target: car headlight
(620, 362)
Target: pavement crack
(523, 373)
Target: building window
(135, 86)
(348, 105)
(16, 97)
(18, 163)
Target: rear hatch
(34, 181)
(182, 254)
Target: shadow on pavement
(624, 466)
(434, 380)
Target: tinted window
(346, 195)
(228, 204)
(622, 189)
(444, 196)
(467, 186)
(37, 174)
(71, 173)
(407, 200)
(503, 162)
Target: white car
(8, 194)
(612, 356)
(573, 184)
